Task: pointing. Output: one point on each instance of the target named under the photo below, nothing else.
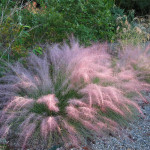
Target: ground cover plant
(67, 95)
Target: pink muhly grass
(89, 64)
(137, 58)
(48, 124)
(27, 132)
(134, 65)
(65, 91)
(106, 97)
(51, 102)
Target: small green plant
(38, 50)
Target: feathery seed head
(68, 91)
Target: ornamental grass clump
(136, 58)
(66, 96)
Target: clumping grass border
(88, 99)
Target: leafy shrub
(13, 39)
(68, 94)
(89, 20)
(47, 25)
(22, 29)
(23, 26)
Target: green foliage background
(55, 21)
(141, 6)
(23, 29)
